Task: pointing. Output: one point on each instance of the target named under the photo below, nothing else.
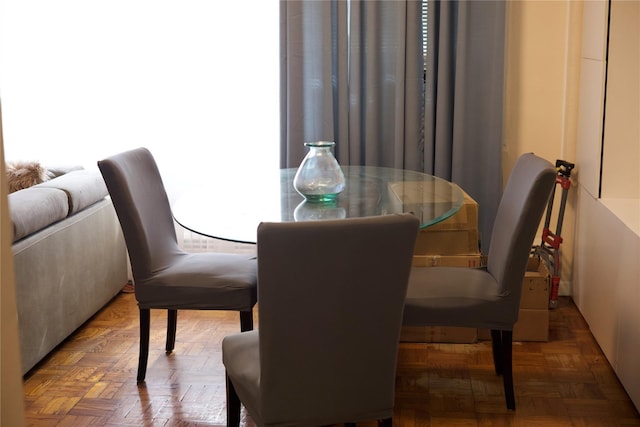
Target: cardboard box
(457, 235)
(532, 325)
(535, 286)
(415, 192)
(438, 334)
(447, 242)
(469, 261)
(452, 242)
(465, 219)
(533, 317)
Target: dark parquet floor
(90, 379)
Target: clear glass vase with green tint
(319, 177)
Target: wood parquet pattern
(90, 379)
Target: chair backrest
(517, 220)
(143, 209)
(331, 296)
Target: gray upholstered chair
(489, 298)
(165, 276)
(330, 303)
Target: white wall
(542, 74)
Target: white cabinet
(606, 285)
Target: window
(81, 80)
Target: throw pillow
(22, 175)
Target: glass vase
(319, 177)
(309, 211)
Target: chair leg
(496, 347)
(507, 364)
(246, 321)
(502, 345)
(233, 404)
(145, 321)
(172, 324)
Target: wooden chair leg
(496, 347)
(246, 321)
(507, 371)
(502, 346)
(172, 324)
(143, 357)
(233, 404)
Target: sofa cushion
(83, 188)
(34, 208)
(54, 171)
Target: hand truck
(549, 248)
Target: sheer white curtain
(195, 81)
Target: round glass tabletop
(232, 210)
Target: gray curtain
(463, 100)
(362, 90)
(353, 72)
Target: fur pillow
(25, 174)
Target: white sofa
(70, 258)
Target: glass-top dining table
(232, 210)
